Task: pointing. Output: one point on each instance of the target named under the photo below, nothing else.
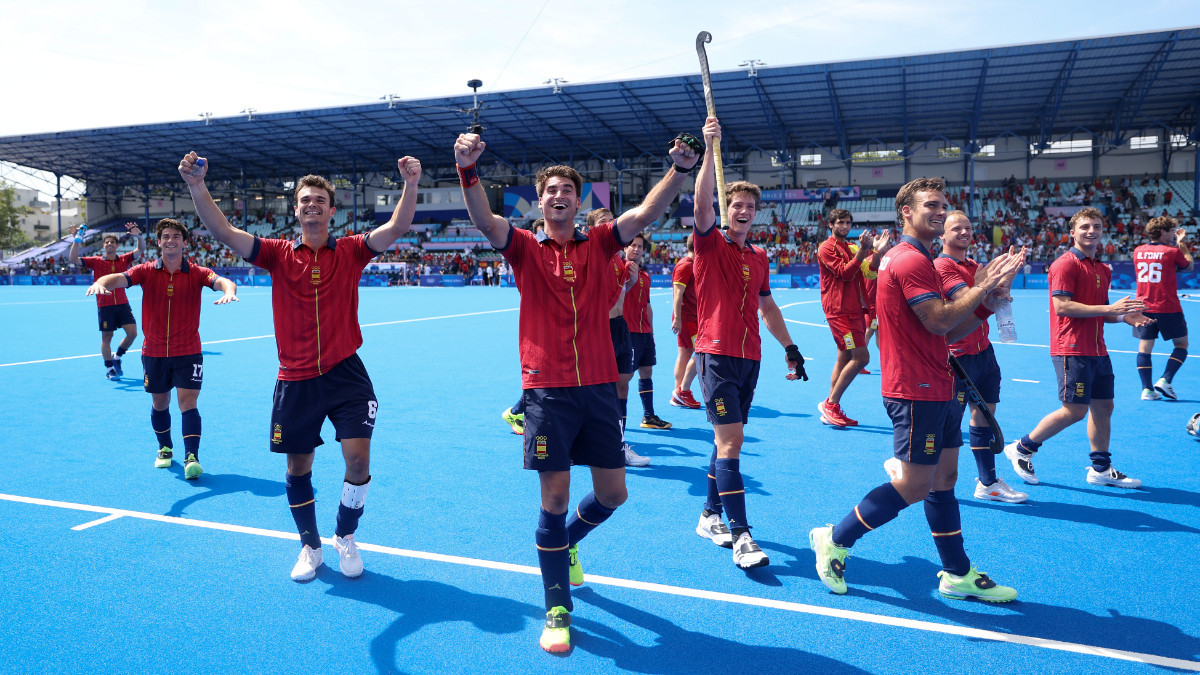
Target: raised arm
(467, 150)
(703, 212)
(1181, 244)
(384, 236)
(638, 218)
(108, 283)
(73, 252)
(193, 169)
(135, 231)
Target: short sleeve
(683, 274)
(363, 253)
(950, 276)
(203, 275)
(137, 274)
(1061, 279)
(918, 280)
(265, 252)
(514, 250)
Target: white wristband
(1120, 318)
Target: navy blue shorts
(728, 385)
(984, 371)
(164, 372)
(1170, 325)
(643, 349)
(573, 425)
(113, 317)
(343, 394)
(1083, 378)
(622, 344)
(920, 429)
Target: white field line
(865, 617)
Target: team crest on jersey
(210, 277)
(1079, 389)
(170, 290)
(540, 451)
(720, 404)
(277, 434)
(930, 442)
(316, 276)
(1097, 281)
(568, 271)
(745, 273)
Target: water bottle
(1005, 325)
(80, 233)
(196, 169)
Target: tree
(11, 212)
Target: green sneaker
(556, 636)
(515, 420)
(164, 458)
(192, 468)
(576, 568)
(831, 558)
(974, 585)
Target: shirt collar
(332, 243)
(1080, 254)
(916, 243)
(542, 237)
(183, 266)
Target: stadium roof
(1110, 87)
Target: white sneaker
(1022, 464)
(894, 468)
(634, 459)
(350, 561)
(747, 555)
(111, 373)
(307, 564)
(1165, 388)
(712, 528)
(1151, 395)
(1112, 478)
(998, 492)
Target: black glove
(689, 140)
(797, 359)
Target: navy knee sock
(589, 514)
(879, 507)
(623, 404)
(985, 459)
(553, 559)
(732, 492)
(350, 509)
(303, 501)
(1145, 369)
(190, 424)
(945, 523)
(646, 392)
(1026, 446)
(1178, 356)
(713, 502)
(160, 422)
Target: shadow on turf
(217, 484)
(1155, 495)
(915, 579)
(677, 650)
(423, 603)
(1112, 518)
(695, 477)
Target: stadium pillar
(1196, 180)
(146, 202)
(245, 196)
(971, 181)
(58, 200)
(782, 191)
(354, 193)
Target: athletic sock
(1026, 446)
(351, 507)
(731, 491)
(981, 447)
(160, 422)
(646, 391)
(189, 423)
(519, 408)
(588, 515)
(1178, 356)
(121, 351)
(108, 363)
(879, 507)
(713, 502)
(303, 503)
(945, 523)
(1101, 460)
(553, 559)
(1145, 369)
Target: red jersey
(915, 362)
(729, 281)
(637, 305)
(1157, 264)
(314, 299)
(841, 278)
(956, 275)
(100, 266)
(684, 275)
(170, 306)
(1085, 280)
(563, 333)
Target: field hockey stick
(976, 399)
(701, 39)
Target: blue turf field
(192, 577)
